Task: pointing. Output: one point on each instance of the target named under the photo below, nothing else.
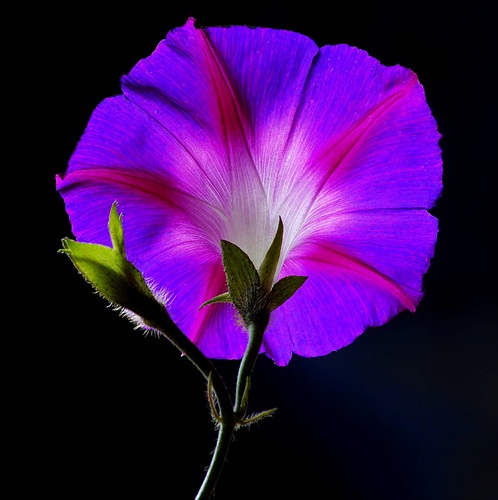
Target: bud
(108, 270)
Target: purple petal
(367, 273)
(336, 304)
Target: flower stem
(226, 419)
(229, 416)
(225, 433)
(256, 330)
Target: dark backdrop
(408, 411)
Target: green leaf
(242, 279)
(269, 266)
(284, 290)
(222, 298)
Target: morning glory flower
(223, 131)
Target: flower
(221, 131)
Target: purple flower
(224, 129)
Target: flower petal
(185, 87)
(268, 70)
(367, 272)
(364, 138)
(125, 156)
(190, 279)
(340, 299)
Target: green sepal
(243, 280)
(284, 289)
(109, 271)
(116, 232)
(269, 266)
(222, 298)
(250, 290)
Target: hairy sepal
(108, 270)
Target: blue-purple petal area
(390, 159)
(398, 244)
(363, 138)
(341, 298)
(126, 155)
(369, 268)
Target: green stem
(230, 415)
(256, 330)
(225, 434)
(227, 421)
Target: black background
(408, 411)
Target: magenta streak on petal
(183, 141)
(336, 152)
(231, 114)
(156, 188)
(327, 254)
(216, 285)
(160, 189)
(251, 222)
